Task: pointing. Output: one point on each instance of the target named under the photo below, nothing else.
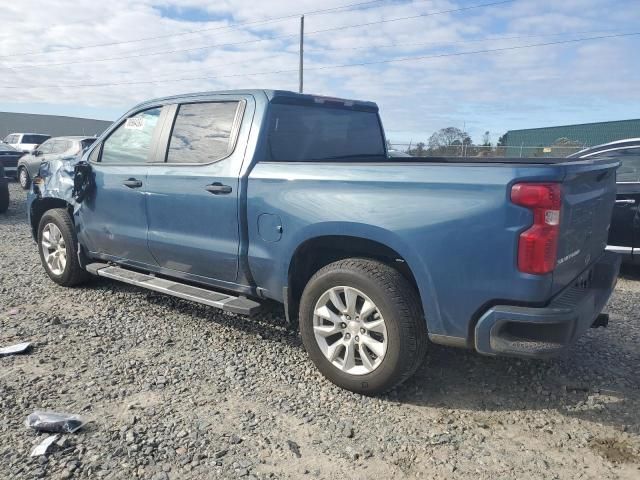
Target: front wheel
(58, 248)
(23, 178)
(362, 325)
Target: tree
(486, 139)
(419, 150)
(447, 137)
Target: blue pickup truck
(238, 199)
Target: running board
(223, 301)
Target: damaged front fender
(58, 185)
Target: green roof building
(565, 140)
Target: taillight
(538, 246)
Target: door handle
(218, 189)
(629, 201)
(132, 183)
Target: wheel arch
(316, 252)
(40, 206)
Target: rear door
(192, 194)
(113, 217)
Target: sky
(98, 59)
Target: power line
(475, 40)
(327, 67)
(202, 30)
(315, 32)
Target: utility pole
(301, 71)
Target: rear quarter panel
(452, 223)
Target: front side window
(300, 133)
(131, 141)
(46, 147)
(202, 132)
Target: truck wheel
(23, 178)
(57, 244)
(4, 196)
(362, 325)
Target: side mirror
(37, 153)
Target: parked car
(624, 234)
(25, 142)
(4, 190)
(238, 198)
(9, 157)
(54, 148)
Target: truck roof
(272, 96)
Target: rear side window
(629, 170)
(202, 132)
(131, 141)
(315, 133)
(37, 139)
(60, 146)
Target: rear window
(314, 133)
(202, 132)
(37, 139)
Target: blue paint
(452, 222)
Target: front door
(192, 193)
(113, 216)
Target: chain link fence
(420, 150)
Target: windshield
(35, 139)
(314, 133)
(6, 148)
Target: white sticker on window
(134, 123)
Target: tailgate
(589, 193)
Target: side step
(224, 301)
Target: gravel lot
(175, 390)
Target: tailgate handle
(629, 201)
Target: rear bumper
(547, 331)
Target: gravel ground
(174, 390)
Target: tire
(70, 274)
(24, 178)
(4, 196)
(396, 302)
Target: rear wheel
(362, 325)
(57, 244)
(23, 178)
